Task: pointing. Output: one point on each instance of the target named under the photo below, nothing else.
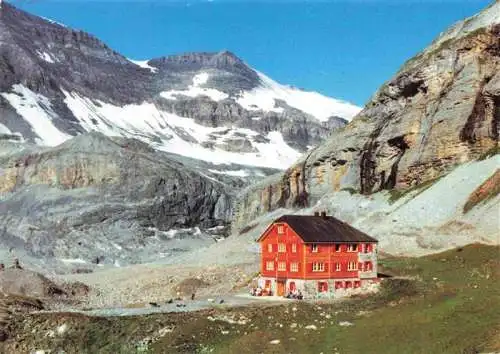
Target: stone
(3, 335)
(345, 324)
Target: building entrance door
(281, 287)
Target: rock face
(102, 200)
(57, 82)
(440, 110)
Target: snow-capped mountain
(58, 83)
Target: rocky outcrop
(441, 109)
(99, 198)
(241, 76)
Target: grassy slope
(448, 304)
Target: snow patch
(238, 173)
(144, 64)
(171, 133)
(37, 111)
(47, 57)
(200, 79)
(196, 90)
(4, 129)
(321, 107)
(73, 260)
(54, 22)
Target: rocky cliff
(441, 109)
(102, 200)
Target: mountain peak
(490, 16)
(194, 61)
(206, 58)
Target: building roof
(323, 229)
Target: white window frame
(294, 267)
(314, 248)
(269, 265)
(338, 267)
(318, 267)
(270, 248)
(281, 229)
(339, 246)
(281, 266)
(281, 247)
(351, 266)
(352, 247)
(294, 248)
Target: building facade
(319, 255)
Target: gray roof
(324, 229)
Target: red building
(317, 255)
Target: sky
(341, 48)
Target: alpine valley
(127, 184)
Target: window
(318, 267)
(294, 248)
(292, 286)
(314, 248)
(339, 285)
(352, 248)
(282, 266)
(269, 248)
(270, 265)
(338, 248)
(368, 266)
(352, 266)
(322, 286)
(281, 247)
(281, 229)
(338, 268)
(294, 267)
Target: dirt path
(228, 301)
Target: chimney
(323, 214)
(316, 213)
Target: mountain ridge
(168, 102)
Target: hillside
(434, 304)
(438, 115)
